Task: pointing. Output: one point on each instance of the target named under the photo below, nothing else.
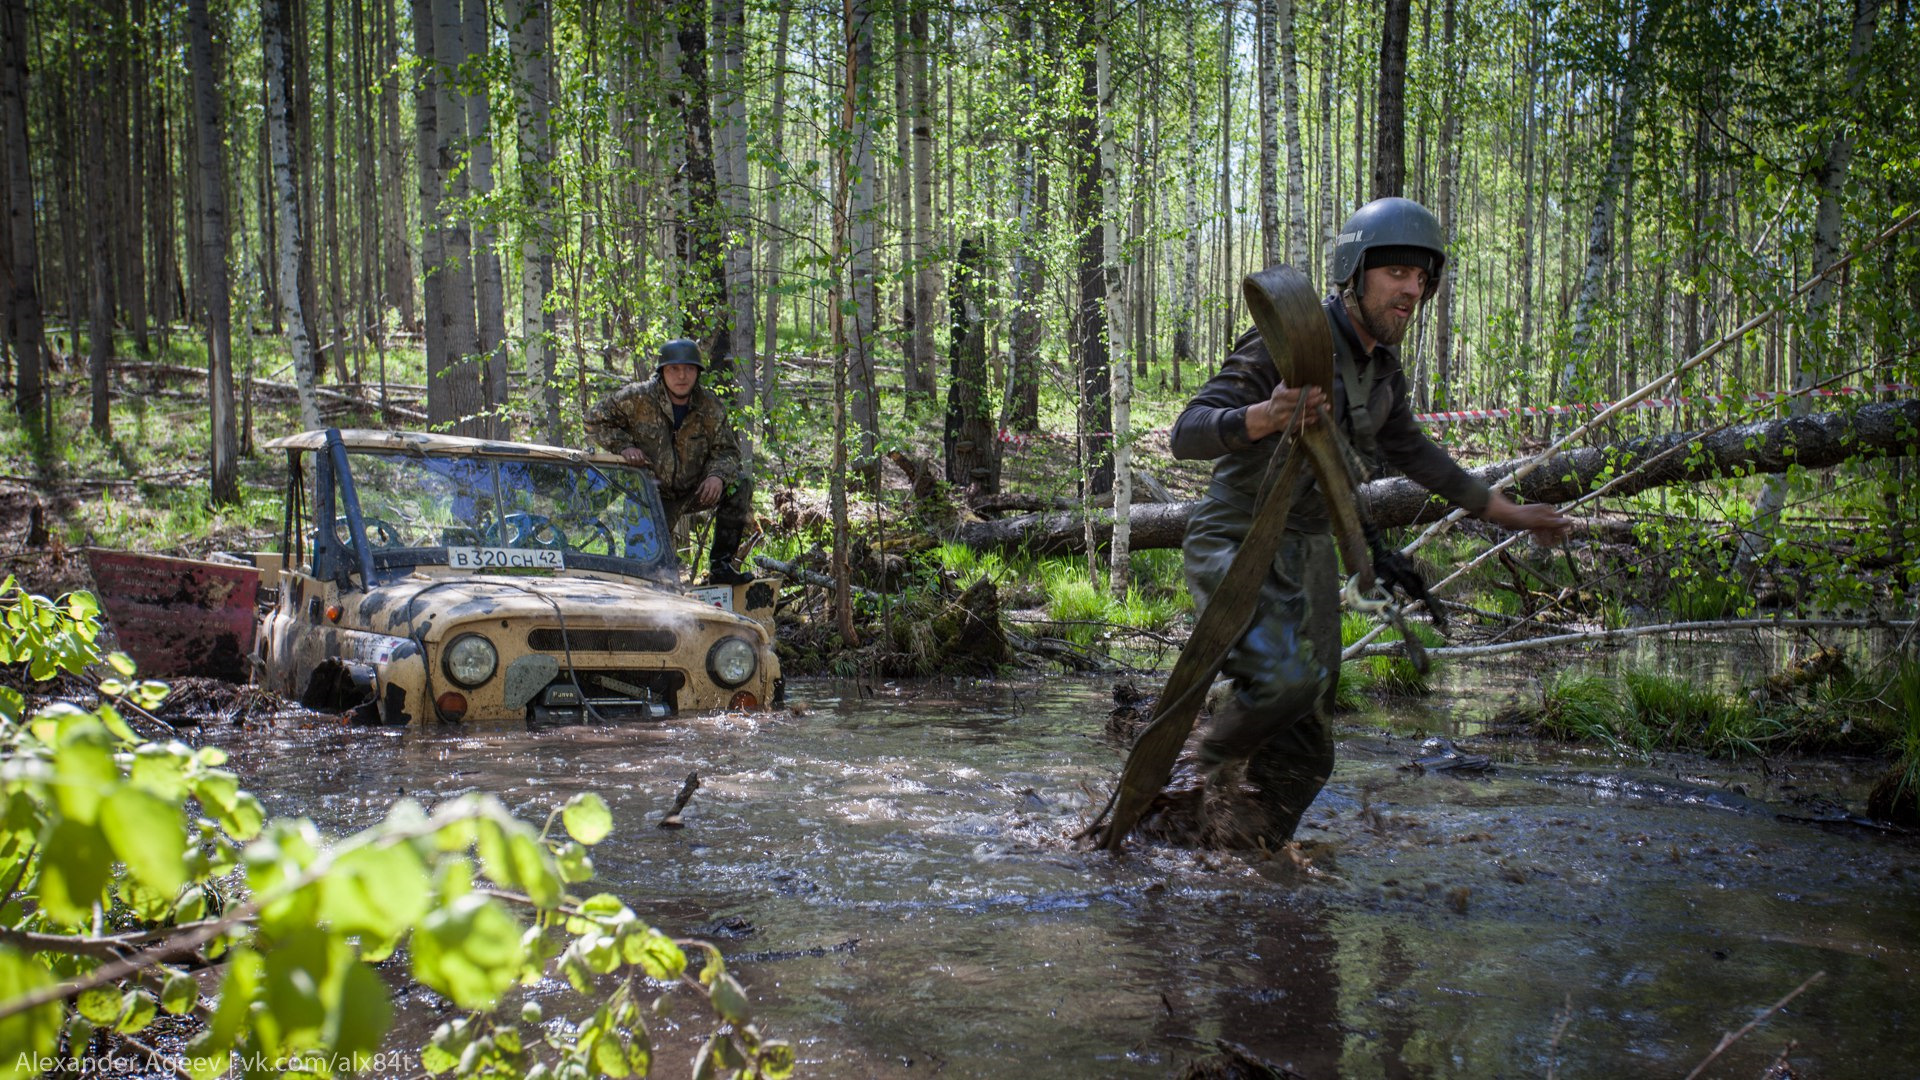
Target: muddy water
(890, 874)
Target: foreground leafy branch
(129, 865)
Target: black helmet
(1390, 232)
(680, 351)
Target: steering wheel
(384, 533)
(533, 530)
(600, 537)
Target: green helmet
(1389, 232)
(680, 351)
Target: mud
(891, 870)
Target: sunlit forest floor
(1666, 556)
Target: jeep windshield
(478, 513)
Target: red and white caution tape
(1024, 440)
(1468, 416)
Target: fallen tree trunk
(1886, 429)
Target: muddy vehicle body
(432, 578)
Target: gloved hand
(1395, 571)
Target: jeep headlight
(470, 660)
(731, 661)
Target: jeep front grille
(548, 639)
(614, 695)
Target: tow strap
(1299, 342)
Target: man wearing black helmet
(1285, 668)
(678, 429)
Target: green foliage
(1902, 699)
(1585, 708)
(1386, 676)
(111, 845)
(967, 565)
(1080, 612)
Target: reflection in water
(892, 876)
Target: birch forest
(950, 231)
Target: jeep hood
(422, 606)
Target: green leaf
(360, 1015)
(575, 865)
(587, 818)
(209, 1052)
(149, 835)
(117, 724)
(375, 891)
(181, 994)
(469, 951)
(160, 770)
(656, 954)
(101, 1004)
(436, 1060)
(298, 971)
(76, 864)
(84, 772)
(121, 663)
(729, 1000)
(12, 705)
(776, 1060)
(28, 1036)
(243, 817)
(514, 857)
(136, 1012)
(608, 1058)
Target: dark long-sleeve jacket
(1214, 425)
(640, 414)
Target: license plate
(720, 596)
(496, 558)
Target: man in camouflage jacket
(1286, 666)
(678, 429)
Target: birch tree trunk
(1095, 412)
(901, 175)
(136, 171)
(972, 455)
(97, 171)
(1117, 323)
(1328, 181)
(1606, 204)
(426, 119)
(1438, 388)
(1266, 13)
(1810, 361)
(926, 277)
(730, 153)
(25, 324)
(397, 265)
(853, 20)
(1295, 254)
(1230, 284)
(776, 193)
(1022, 409)
(489, 291)
(293, 315)
(330, 203)
(861, 256)
(210, 271)
(1530, 128)
(531, 42)
(1390, 131)
(1186, 303)
(701, 246)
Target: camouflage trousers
(1285, 668)
(730, 516)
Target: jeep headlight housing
(731, 661)
(470, 660)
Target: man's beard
(1382, 321)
